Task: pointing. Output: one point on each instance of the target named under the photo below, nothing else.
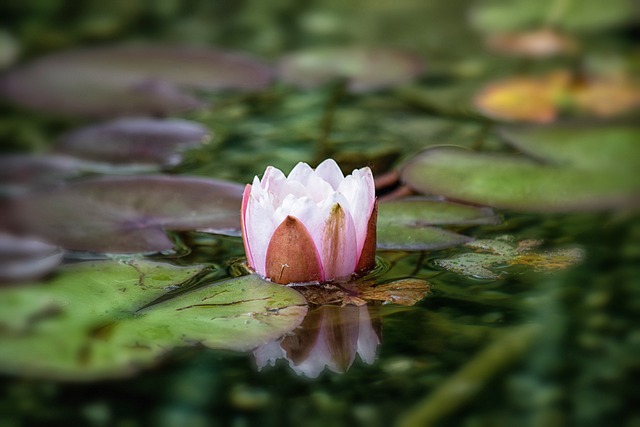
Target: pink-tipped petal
(339, 245)
(260, 225)
(243, 224)
(292, 256)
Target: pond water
(506, 285)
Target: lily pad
(123, 80)
(523, 98)
(408, 224)
(135, 140)
(586, 15)
(22, 170)
(592, 147)
(540, 99)
(518, 183)
(364, 69)
(505, 252)
(26, 259)
(540, 43)
(131, 214)
(88, 322)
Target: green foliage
(94, 320)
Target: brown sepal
(368, 256)
(292, 256)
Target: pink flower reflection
(330, 336)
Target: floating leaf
(422, 238)
(364, 69)
(134, 140)
(24, 259)
(540, 43)
(19, 170)
(523, 98)
(123, 80)
(592, 147)
(407, 224)
(605, 97)
(518, 183)
(505, 252)
(421, 211)
(131, 214)
(586, 15)
(88, 322)
(540, 99)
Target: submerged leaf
(504, 251)
(120, 80)
(131, 214)
(134, 140)
(359, 292)
(364, 69)
(88, 322)
(403, 292)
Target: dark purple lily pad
(364, 69)
(131, 214)
(26, 259)
(126, 80)
(19, 169)
(135, 140)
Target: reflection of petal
(268, 353)
(368, 339)
(329, 337)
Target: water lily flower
(313, 225)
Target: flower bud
(314, 225)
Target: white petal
(359, 191)
(301, 173)
(330, 172)
(271, 174)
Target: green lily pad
(492, 253)
(585, 15)
(408, 224)
(364, 69)
(593, 147)
(518, 183)
(97, 320)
